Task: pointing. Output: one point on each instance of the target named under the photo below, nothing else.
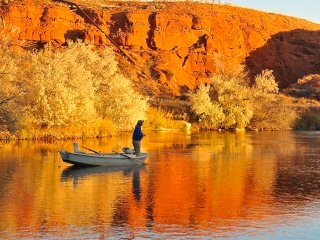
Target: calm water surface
(195, 185)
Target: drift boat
(102, 159)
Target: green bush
(308, 121)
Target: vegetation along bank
(215, 66)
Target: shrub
(266, 82)
(210, 113)
(158, 118)
(270, 109)
(70, 89)
(12, 89)
(118, 101)
(308, 121)
(222, 104)
(273, 113)
(62, 88)
(230, 102)
(232, 93)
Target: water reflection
(75, 173)
(197, 185)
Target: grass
(308, 121)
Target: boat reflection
(75, 173)
(82, 172)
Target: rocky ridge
(175, 46)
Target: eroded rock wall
(178, 45)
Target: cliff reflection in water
(210, 184)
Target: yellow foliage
(158, 119)
(211, 115)
(273, 113)
(230, 102)
(266, 82)
(72, 89)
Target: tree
(232, 93)
(230, 102)
(271, 111)
(211, 115)
(75, 87)
(11, 88)
(265, 82)
(62, 90)
(78, 85)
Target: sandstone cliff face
(176, 46)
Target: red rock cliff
(176, 46)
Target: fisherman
(137, 137)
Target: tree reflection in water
(200, 185)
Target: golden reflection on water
(194, 184)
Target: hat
(140, 121)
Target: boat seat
(76, 148)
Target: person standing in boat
(137, 137)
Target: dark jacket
(137, 134)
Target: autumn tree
(230, 102)
(272, 111)
(223, 104)
(76, 86)
(12, 89)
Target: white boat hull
(109, 159)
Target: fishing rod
(150, 133)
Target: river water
(195, 186)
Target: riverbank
(71, 133)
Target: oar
(122, 154)
(131, 158)
(91, 150)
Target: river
(248, 185)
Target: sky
(306, 9)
